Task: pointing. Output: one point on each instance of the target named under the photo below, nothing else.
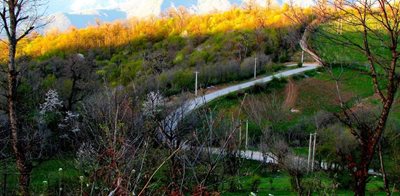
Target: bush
(200, 57)
(216, 74)
(282, 57)
(300, 64)
(247, 68)
(183, 80)
(255, 183)
(277, 83)
(179, 58)
(258, 88)
(311, 73)
(272, 68)
(235, 96)
(345, 180)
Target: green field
(270, 182)
(316, 93)
(45, 176)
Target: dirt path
(291, 92)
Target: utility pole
(309, 153)
(195, 90)
(313, 155)
(211, 124)
(247, 134)
(255, 68)
(240, 133)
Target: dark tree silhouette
(377, 22)
(18, 19)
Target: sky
(81, 13)
(145, 7)
(132, 7)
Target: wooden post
(309, 153)
(313, 155)
(255, 68)
(247, 134)
(240, 133)
(211, 124)
(196, 83)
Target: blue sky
(58, 6)
(76, 5)
(67, 5)
(80, 13)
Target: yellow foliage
(174, 22)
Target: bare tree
(79, 70)
(18, 19)
(296, 166)
(114, 149)
(377, 23)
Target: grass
(270, 182)
(339, 52)
(302, 151)
(351, 80)
(278, 183)
(315, 94)
(46, 175)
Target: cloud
(79, 5)
(301, 3)
(144, 8)
(207, 6)
(263, 3)
(60, 22)
(133, 8)
(141, 8)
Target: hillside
(222, 46)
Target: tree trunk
(15, 14)
(361, 174)
(385, 180)
(21, 163)
(361, 182)
(298, 184)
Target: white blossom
(153, 103)
(70, 121)
(70, 116)
(52, 102)
(86, 157)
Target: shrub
(255, 183)
(300, 64)
(276, 83)
(258, 88)
(183, 80)
(179, 58)
(199, 57)
(282, 57)
(345, 180)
